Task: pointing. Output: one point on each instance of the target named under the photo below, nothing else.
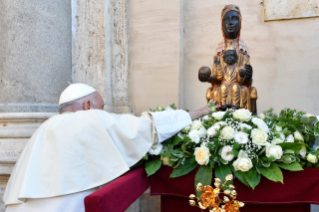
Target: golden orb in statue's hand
(204, 74)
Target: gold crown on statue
(209, 197)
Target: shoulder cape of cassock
(77, 151)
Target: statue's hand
(249, 71)
(217, 61)
(242, 73)
(204, 74)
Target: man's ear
(87, 105)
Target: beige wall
(284, 54)
(153, 53)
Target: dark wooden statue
(231, 76)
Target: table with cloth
(300, 189)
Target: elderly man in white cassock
(74, 153)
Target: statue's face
(231, 24)
(230, 57)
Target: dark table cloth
(300, 189)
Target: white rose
(273, 150)
(303, 152)
(242, 114)
(186, 129)
(262, 116)
(212, 131)
(194, 135)
(202, 154)
(196, 125)
(298, 136)
(290, 139)
(227, 133)
(202, 132)
(156, 149)
(220, 123)
(241, 137)
(312, 158)
(227, 153)
(168, 108)
(243, 126)
(165, 160)
(206, 117)
(308, 115)
(259, 137)
(277, 140)
(243, 162)
(218, 115)
(260, 124)
(282, 137)
(278, 129)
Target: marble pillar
(35, 66)
(35, 54)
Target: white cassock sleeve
(168, 123)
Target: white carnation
(298, 136)
(242, 114)
(218, 115)
(282, 136)
(260, 124)
(156, 149)
(241, 137)
(243, 126)
(243, 162)
(273, 150)
(259, 137)
(202, 154)
(227, 153)
(196, 125)
(290, 139)
(227, 133)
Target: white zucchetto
(75, 91)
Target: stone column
(35, 66)
(100, 49)
(35, 54)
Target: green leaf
(273, 173)
(188, 166)
(153, 166)
(177, 139)
(252, 177)
(177, 153)
(265, 164)
(293, 146)
(288, 151)
(204, 176)
(221, 172)
(295, 166)
(240, 176)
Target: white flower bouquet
(236, 142)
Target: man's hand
(203, 111)
(242, 73)
(217, 61)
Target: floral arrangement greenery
(239, 143)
